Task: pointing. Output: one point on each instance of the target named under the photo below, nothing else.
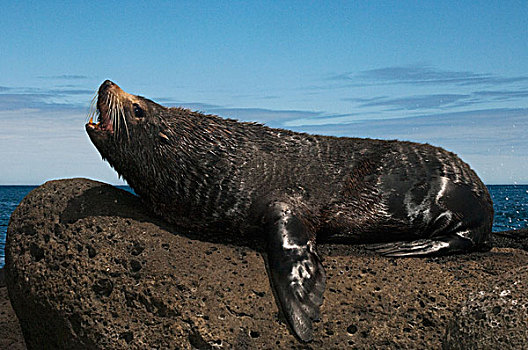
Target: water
(510, 203)
(10, 196)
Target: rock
(10, 333)
(511, 239)
(493, 318)
(88, 267)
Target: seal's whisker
(116, 112)
(112, 115)
(111, 112)
(107, 103)
(92, 110)
(122, 112)
(118, 117)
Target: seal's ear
(164, 138)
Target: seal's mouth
(108, 112)
(103, 121)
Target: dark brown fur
(204, 171)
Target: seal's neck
(180, 158)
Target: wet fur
(207, 171)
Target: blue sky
(450, 73)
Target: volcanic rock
(502, 307)
(88, 267)
(10, 333)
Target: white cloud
(40, 145)
(422, 74)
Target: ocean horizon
(510, 203)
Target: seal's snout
(109, 87)
(108, 107)
(107, 84)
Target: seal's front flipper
(296, 274)
(449, 244)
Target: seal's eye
(138, 111)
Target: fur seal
(212, 173)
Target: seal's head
(118, 113)
(124, 125)
(120, 116)
(161, 152)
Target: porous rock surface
(502, 306)
(10, 333)
(87, 267)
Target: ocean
(510, 203)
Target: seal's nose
(106, 85)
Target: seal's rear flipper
(443, 245)
(296, 274)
